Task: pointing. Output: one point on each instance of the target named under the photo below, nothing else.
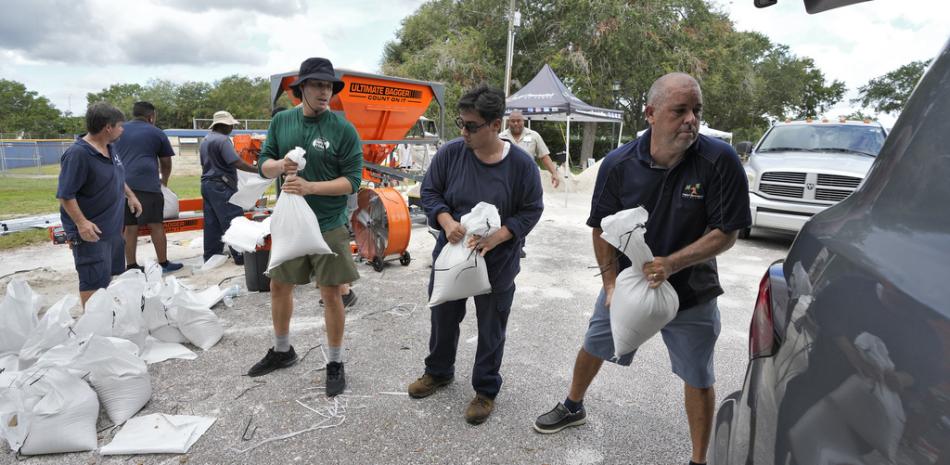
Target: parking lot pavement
(635, 414)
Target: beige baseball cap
(223, 117)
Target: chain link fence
(26, 153)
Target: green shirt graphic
(333, 150)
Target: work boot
(558, 418)
(427, 385)
(336, 379)
(479, 409)
(273, 361)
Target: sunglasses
(470, 126)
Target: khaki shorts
(326, 270)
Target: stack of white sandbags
(56, 372)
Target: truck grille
(838, 181)
(815, 187)
(782, 191)
(831, 195)
(784, 176)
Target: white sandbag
(17, 315)
(158, 351)
(158, 434)
(128, 323)
(97, 316)
(9, 361)
(170, 209)
(869, 406)
(126, 345)
(192, 314)
(637, 312)
(251, 186)
(53, 412)
(160, 320)
(294, 228)
(52, 331)
(245, 235)
(14, 420)
(119, 378)
(460, 272)
(61, 356)
(200, 325)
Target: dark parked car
(849, 343)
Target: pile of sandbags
(55, 372)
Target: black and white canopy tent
(546, 98)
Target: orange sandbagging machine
(382, 109)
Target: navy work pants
(492, 312)
(218, 214)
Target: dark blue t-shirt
(707, 190)
(98, 185)
(457, 181)
(218, 157)
(139, 148)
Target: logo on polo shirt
(321, 144)
(693, 191)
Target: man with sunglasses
(333, 171)
(478, 167)
(696, 193)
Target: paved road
(635, 414)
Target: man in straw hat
(333, 171)
(219, 165)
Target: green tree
(121, 96)
(244, 97)
(889, 93)
(746, 79)
(25, 111)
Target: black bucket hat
(320, 69)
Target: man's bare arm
(606, 260)
(708, 246)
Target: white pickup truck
(800, 168)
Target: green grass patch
(45, 170)
(23, 238)
(25, 194)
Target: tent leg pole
(619, 136)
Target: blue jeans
(218, 214)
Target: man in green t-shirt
(332, 172)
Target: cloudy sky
(66, 48)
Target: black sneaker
(559, 418)
(336, 379)
(135, 266)
(349, 300)
(272, 361)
